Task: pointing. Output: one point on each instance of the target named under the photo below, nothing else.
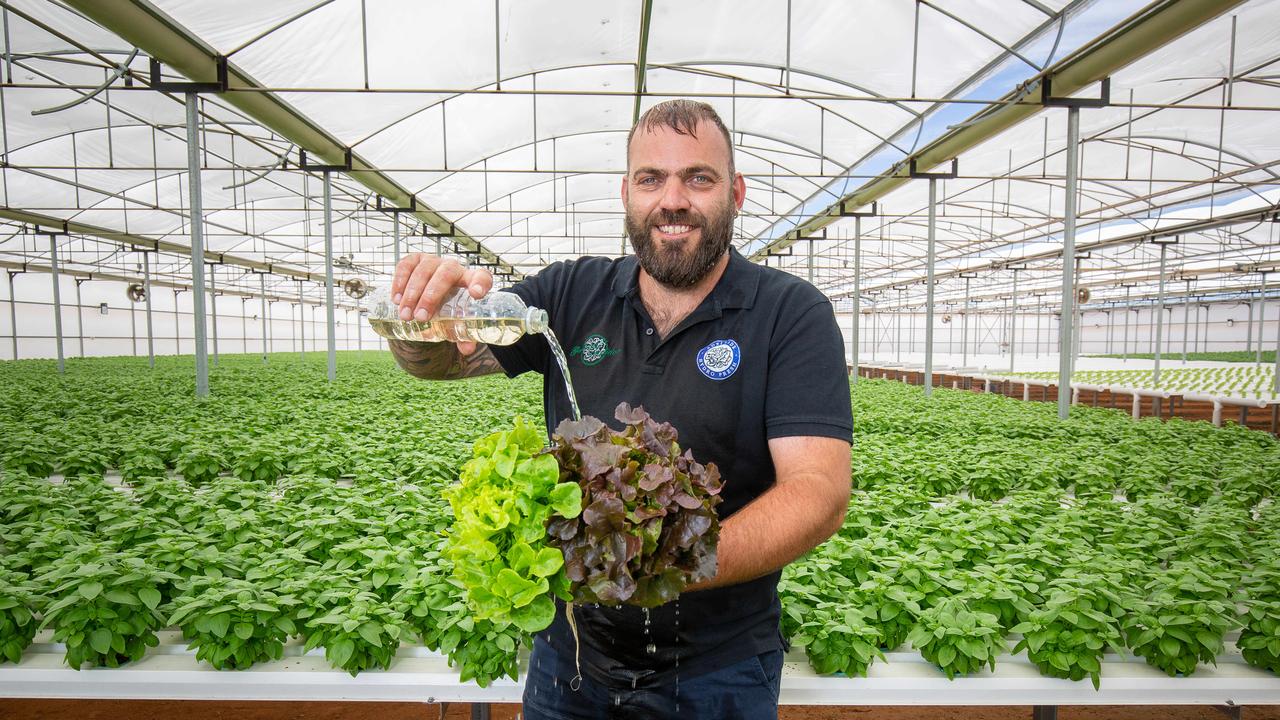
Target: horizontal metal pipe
(112, 277)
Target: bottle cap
(535, 320)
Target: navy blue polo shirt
(761, 357)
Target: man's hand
(805, 506)
(422, 283)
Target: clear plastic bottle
(499, 318)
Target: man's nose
(675, 196)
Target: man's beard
(668, 264)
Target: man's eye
(701, 179)
(647, 181)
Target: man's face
(680, 202)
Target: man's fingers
(423, 283)
(478, 282)
(440, 287)
(420, 276)
(404, 269)
(466, 347)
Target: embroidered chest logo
(594, 349)
(720, 359)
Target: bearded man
(746, 362)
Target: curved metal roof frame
(1002, 228)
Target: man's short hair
(682, 116)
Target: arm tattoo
(442, 361)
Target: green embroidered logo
(594, 349)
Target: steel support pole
(1262, 319)
(1195, 341)
(1248, 333)
(1110, 330)
(858, 279)
(79, 317)
(1186, 320)
(928, 290)
(395, 237)
(1077, 343)
(57, 301)
(1005, 327)
(951, 336)
(1204, 348)
(810, 261)
(964, 335)
(177, 324)
(1124, 351)
(1159, 313)
(244, 326)
(911, 332)
(1068, 262)
(13, 316)
(262, 290)
(1275, 380)
(146, 295)
(213, 306)
(1013, 321)
(302, 323)
(133, 329)
(328, 274)
(897, 330)
(197, 244)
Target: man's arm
(443, 360)
(805, 507)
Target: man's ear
(624, 192)
(739, 190)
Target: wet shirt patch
(720, 359)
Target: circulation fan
(136, 292)
(1082, 295)
(355, 287)
(946, 318)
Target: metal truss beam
(162, 37)
(1151, 28)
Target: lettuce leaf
(648, 525)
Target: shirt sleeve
(531, 353)
(808, 388)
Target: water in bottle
(498, 318)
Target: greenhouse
(1043, 237)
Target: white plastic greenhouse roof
(505, 122)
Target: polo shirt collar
(735, 289)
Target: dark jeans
(747, 690)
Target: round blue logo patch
(720, 359)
